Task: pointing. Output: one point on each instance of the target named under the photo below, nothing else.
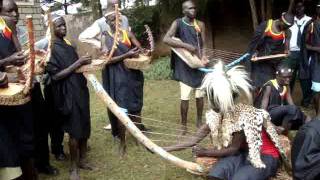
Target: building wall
(32, 7)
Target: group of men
(273, 82)
(65, 105)
(67, 98)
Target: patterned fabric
(248, 119)
(5, 30)
(270, 33)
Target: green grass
(160, 70)
(161, 102)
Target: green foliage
(141, 15)
(159, 70)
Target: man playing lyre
(192, 33)
(270, 38)
(71, 96)
(16, 125)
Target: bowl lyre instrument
(190, 59)
(18, 93)
(143, 61)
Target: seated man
(243, 136)
(306, 152)
(275, 97)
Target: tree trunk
(96, 9)
(263, 10)
(269, 9)
(254, 14)
(290, 9)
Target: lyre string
(159, 121)
(163, 127)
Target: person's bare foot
(199, 123)
(122, 150)
(74, 174)
(183, 130)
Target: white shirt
(294, 31)
(92, 35)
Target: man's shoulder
(307, 18)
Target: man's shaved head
(189, 9)
(186, 4)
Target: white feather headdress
(221, 85)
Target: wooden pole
(131, 127)
(29, 78)
(254, 14)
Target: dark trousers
(288, 114)
(294, 61)
(56, 132)
(306, 91)
(41, 127)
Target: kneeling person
(275, 97)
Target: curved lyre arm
(99, 64)
(29, 78)
(49, 36)
(116, 33)
(150, 38)
(114, 108)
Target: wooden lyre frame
(124, 118)
(19, 93)
(143, 61)
(190, 59)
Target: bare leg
(74, 159)
(122, 136)
(199, 103)
(83, 164)
(137, 119)
(184, 106)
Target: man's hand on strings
(17, 59)
(133, 52)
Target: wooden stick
(254, 59)
(50, 36)
(114, 108)
(32, 57)
(116, 33)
